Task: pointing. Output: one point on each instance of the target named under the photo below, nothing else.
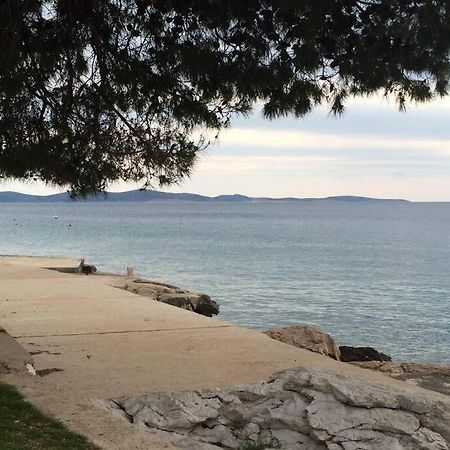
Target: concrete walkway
(96, 342)
(56, 262)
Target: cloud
(281, 139)
(373, 116)
(372, 150)
(248, 164)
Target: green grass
(250, 444)
(22, 427)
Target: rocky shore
(303, 408)
(435, 377)
(181, 380)
(429, 376)
(169, 294)
(297, 409)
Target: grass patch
(250, 444)
(22, 427)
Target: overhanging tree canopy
(93, 91)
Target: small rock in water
(199, 303)
(351, 354)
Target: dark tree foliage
(93, 91)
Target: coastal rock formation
(298, 409)
(350, 354)
(172, 295)
(435, 377)
(199, 303)
(307, 337)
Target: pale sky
(373, 150)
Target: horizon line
(251, 197)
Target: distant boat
(55, 217)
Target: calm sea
(369, 274)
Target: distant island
(152, 195)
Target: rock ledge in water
(172, 295)
(199, 303)
(350, 354)
(435, 377)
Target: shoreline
(130, 282)
(435, 377)
(252, 258)
(427, 375)
(126, 281)
(96, 343)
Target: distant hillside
(355, 199)
(151, 195)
